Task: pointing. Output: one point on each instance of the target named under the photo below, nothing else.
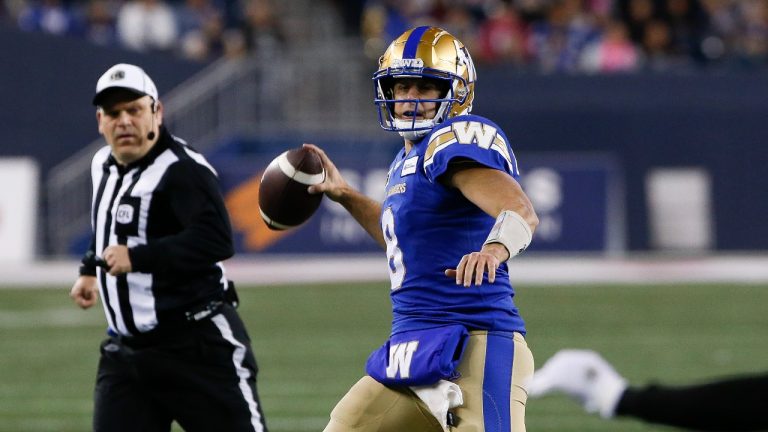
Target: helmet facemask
(411, 127)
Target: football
(283, 198)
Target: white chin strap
(413, 135)
(406, 128)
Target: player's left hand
(473, 266)
(116, 257)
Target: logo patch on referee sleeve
(127, 216)
(124, 214)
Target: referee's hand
(85, 291)
(117, 259)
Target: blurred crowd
(588, 36)
(200, 30)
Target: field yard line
(69, 316)
(531, 269)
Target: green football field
(311, 343)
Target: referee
(176, 349)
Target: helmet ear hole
(461, 90)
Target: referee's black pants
(201, 374)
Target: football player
(453, 217)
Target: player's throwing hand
(334, 186)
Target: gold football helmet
(430, 53)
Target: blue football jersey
(428, 227)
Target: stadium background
(648, 179)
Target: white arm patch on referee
(512, 231)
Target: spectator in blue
(50, 16)
(557, 42)
(100, 23)
(385, 20)
(201, 26)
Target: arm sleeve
(734, 404)
(205, 238)
(88, 267)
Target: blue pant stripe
(497, 382)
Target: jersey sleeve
(473, 138)
(195, 202)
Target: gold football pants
(495, 370)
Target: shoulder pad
(472, 130)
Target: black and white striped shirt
(168, 210)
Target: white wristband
(512, 231)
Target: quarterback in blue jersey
(453, 216)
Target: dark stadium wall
(717, 121)
(47, 85)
